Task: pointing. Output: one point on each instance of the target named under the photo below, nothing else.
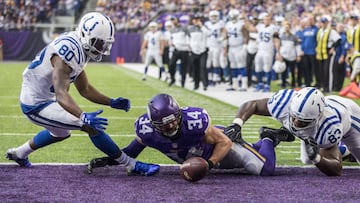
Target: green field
(114, 81)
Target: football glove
(91, 119)
(312, 150)
(233, 131)
(120, 103)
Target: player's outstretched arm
(222, 144)
(253, 107)
(134, 148)
(92, 94)
(88, 91)
(327, 160)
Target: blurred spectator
(308, 45)
(289, 53)
(339, 69)
(23, 14)
(327, 41)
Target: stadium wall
(24, 45)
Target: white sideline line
(164, 165)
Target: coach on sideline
(181, 50)
(197, 44)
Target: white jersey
(37, 84)
(234, 33)
(265, 37)
(153, 39)
(333, 125)
(214, 31)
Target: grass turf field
(115, 81)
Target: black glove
(101, 162)
(312, 149)
(233, 131)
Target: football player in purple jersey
(182, 133)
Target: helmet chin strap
(95, 57)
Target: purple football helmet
(165, 114)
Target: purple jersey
(195, 122)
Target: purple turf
(44, 183)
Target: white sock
(24, 150)
(127, 161)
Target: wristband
(238, 121)
(317, 159)
(210, 163)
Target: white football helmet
(306, 108)
(214, 16)
(279, 66)
(96, 32)
(153, 26)
(262, 15)
(234, 15)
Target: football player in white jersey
(268, 43)
(320, 122)
(154, 45)
(215, 29)
(46, 102)
(237, 38)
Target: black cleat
(276, 135)
(101, 162)
(172, 82)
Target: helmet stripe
(306, 99)
(110, 24)
(289, 96)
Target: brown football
(194, 169)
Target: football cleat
(144, 169)
(259, 87)
(101, 162)
(266, 88)
(230, 89)
(276, 135)
(11, 155)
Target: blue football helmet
(165, 115)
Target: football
(194, 169)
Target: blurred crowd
(291, 22)
(23, 14)
(314, 42)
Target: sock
(44, 138)
(127, 161)
(268, 78)
(145, 70)
(267, 150)
(103, 142)
(24, 150)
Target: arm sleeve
(337, 43)
(134, 149)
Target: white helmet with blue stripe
(306, 108)
(96, 32)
